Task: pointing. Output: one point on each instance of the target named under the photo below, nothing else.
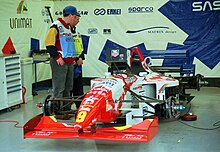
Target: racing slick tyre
(47, 106)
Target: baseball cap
(70, 10)
(78, 14)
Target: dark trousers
(78, 88)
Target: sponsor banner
(153, 25)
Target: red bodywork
(95, 107)
(99, 105)
(48, 127)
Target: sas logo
(22, 7)
(206, 6)
(103, 11)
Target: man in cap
(60, 45)
(77, 90)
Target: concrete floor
(172, 137)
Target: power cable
(12, 121)
(216, 125)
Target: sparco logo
(103, 11)
(140, 9)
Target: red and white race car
(120, 106)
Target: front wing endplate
(48, 127)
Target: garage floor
(172, 137)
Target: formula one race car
(120, 106)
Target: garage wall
(150, 24)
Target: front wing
(48, 127)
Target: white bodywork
(151, 85)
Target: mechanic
(60, 45)
(77, 90)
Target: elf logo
(206, 6)
(22, 7)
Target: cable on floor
(12, 121)
(216, 125)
